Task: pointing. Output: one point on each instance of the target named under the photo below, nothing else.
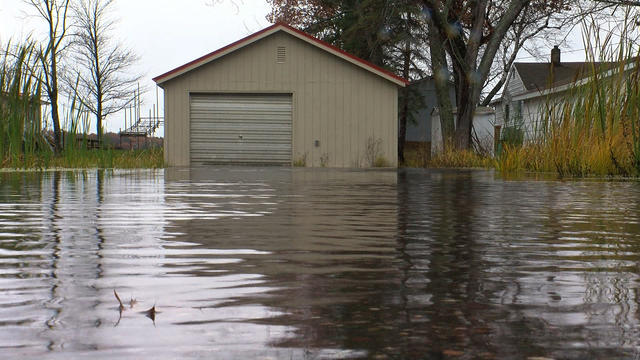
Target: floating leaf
(118, 298)
(151, 313)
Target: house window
(506, 114)
(517, 112)
(281, 54)
(513, 113)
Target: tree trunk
(57, 133)
(53, 97)
(441, 81)
(470, 69)
(98, 70)
(465, 124)
(402, 131)
(99, 112)
(99, 126)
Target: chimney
(555, 56)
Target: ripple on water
(298, 263)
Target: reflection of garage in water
(280, 97)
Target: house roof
(542, 76)
(289, 30)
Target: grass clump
(23, 144)
(593, 128)
(81, 159)
(381, 161)
(419, 155)
(20, 104)
(300, 161)
(460, 159)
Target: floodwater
(317, 264)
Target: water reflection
(299, 263)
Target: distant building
(482, 131)
(427, 130)
(280, 96)
(531, 86)
(420, 130)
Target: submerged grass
(82, 159)
(23, 144)
(461, 159)
(593, 129)
(419, 156)
(20, 93)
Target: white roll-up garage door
(240, 129)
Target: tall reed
(75, 122)
(22, 140)
(20, 92)
(593, 128)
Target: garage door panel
(227, 126)
(240, 128)
(243, 114)
(241, 158)
(262, 144)
(282, 147)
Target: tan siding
(363, 132)
(340, 119)
(335, 102)
(184, 130)
(353, 154)
(393, 112)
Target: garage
(241, 129)
(280, 97)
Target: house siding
(335, 102)
(513, 87)
(514, 84)
(420, 131)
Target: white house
(532, 87)
(482, 132)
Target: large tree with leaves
(374, 30)
(388, 33)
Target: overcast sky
(165, 33)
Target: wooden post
(496, 138)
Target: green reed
(22, 134)
(20, 93)
(593, 128)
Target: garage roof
(269, 31)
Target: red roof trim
(299, 32)
(326, 44)
(205, 57)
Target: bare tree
(536, 28)
(54, 12)
(621, 2)
(472, 33)
(102, 76)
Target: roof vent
(281, 54)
